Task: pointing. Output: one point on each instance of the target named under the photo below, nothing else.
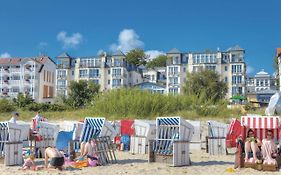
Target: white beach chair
(145, 130)
(11, 143)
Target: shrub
(6, 106)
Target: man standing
(15, 116)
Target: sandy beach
(202, 163)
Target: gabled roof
(63, 55)
(235, 48)
(174, 50)
(118, 53)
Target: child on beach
(29, 164)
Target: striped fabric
(169, 129)
(168, 121)
(4, 136)
(92, 128)
(260, 124)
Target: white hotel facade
(34, 76)
(230, 65)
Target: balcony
(97, 65)
(59, 87)
(61, 76)
(173, 74)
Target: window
(108, 82)
(116, 72)
(108, 71)
(184, 69)
(96, 81)
(236, 68)
(225, 68)
(116, 82)
(176, 60)
(83, 73)
(174, 81)
(173, 70)
(225, 79)
(236, 79)
(173, 91)
(61, 84)
(94, 73)
(61, 73)
(16, 77)
(72, 73)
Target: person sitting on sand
(88, 149)
(29, 163)
(252, 144)
(57, 158)
(268, 147)
(14, 118)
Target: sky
(87, 27)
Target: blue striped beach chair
(11, 143)
(173, 135)
(96, 127)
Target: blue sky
(83, 28)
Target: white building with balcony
(261, 81)
(109, 71)
(230, 65)
(34, 76)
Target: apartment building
(229, 64)
(109, 71)
(34, 76)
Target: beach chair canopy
(260, 124)
(75, 127)
(126, 127)
(234, 131)
(96, 127)
(145, 128)
(217, 129)
(173, 128)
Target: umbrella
(238, 97)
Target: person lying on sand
(252, 144)
(57, 158)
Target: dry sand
(202, 163)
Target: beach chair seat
(11, 143)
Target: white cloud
(69, 41)
(153, 54)
(250, 69)
(5, 55)
(128, 39)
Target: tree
(22, 100)
(205, 85)
(159, 61)
(136, 57)
(81, 93)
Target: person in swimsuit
(268, 148)
(88, 149)
(57, 158)
(252, 144)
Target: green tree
(81, 93)
(206, 85)
(136, 57)
(22, 100)
(159, 61)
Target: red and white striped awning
(260, 122)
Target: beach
(202, 163)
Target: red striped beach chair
(260, 125)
